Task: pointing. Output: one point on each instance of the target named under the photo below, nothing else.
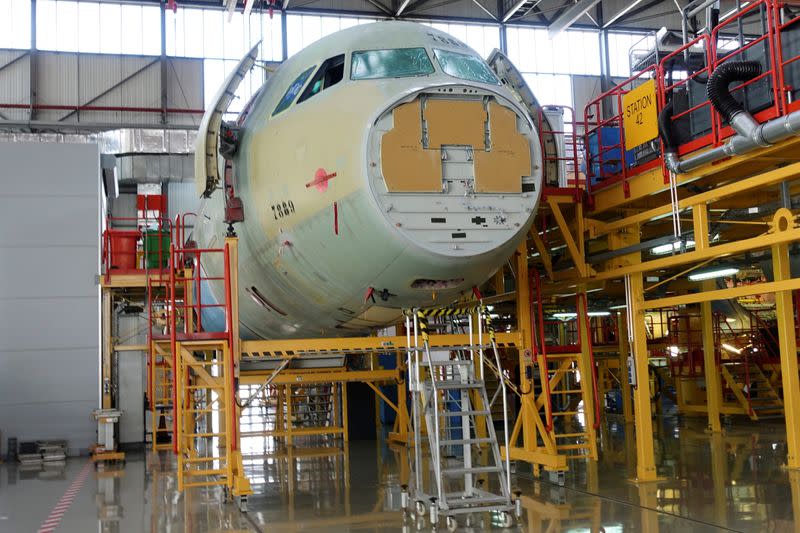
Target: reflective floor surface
(729, 482)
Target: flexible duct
(750, 134)
(721, 78)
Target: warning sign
(640, 115)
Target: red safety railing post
(174, 348)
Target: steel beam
(787, 340)
(403, 6)
(624, 352)
(623, 12)
(713, 383)
(725, 294)
(570, 16)
(645, 456)
(516, 7)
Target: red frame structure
(775, 75)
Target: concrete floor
(727, 482)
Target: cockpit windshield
(464, 66)
(394, 63)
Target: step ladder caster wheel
(451, 523)
(419, 507)
(508, 519)
(434, 513)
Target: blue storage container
(612, 154)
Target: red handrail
(768, 7)
(594, 109)
(574, 142)
(174, 348)
(229, 329)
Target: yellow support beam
(645, 455)
(364, 344)
(787, 340)
(724, 294)
(713, 383)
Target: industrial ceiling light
(730, 348)
(670, 247)
(713, 274)
(569, 316)
(615, 307)
(565, 316)
(674, 351)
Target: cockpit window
(395, 63)
(291, 92)
(465, 66)
(330, 73)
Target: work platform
(591, 258)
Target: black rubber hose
(665, 128)
(717, 87)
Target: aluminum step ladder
(464, 472)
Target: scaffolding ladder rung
(463, 413)
(458, 442)
(470, 470)
(203, 459)
(572, 446)
(205, 484)
(200, 473)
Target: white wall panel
(48, 294)
(14, 82)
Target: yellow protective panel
(640, 119)
(455, 122)
(502, 168)
(405, 165)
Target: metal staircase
(568, 378)
(192, 386)
(464, 472)
(752, 388)
(161, 394)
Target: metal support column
(107, 350)
(713, 384)
(788, 346)
(624, 352)
(524, 327)
(588, 375)
(645, 457)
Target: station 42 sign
(640, 115)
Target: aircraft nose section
(456, 171)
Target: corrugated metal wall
(49, 317)
(110, 82)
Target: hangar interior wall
(49, 316)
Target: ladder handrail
(435, 392)
(490, 329)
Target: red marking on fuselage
(335, 218)
(320, 181)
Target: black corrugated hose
(721, 78)
(665, 128)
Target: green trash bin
(152, 252)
